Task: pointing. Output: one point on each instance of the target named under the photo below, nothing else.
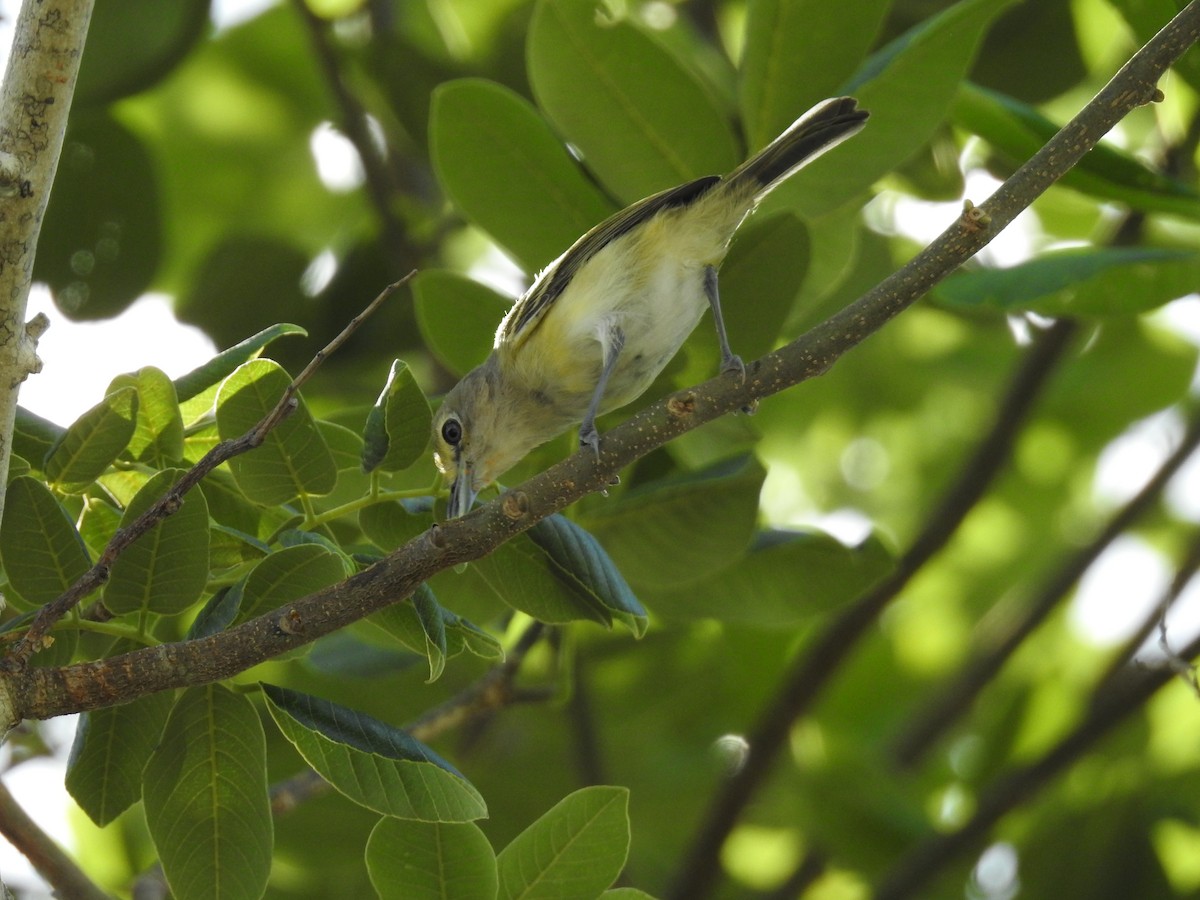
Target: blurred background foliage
(286, 164)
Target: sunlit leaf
(158, 438)
(797, 53)
(397, 430)
(93, 441)
(641, 120)
(293, 458)
(508, 171)
(908, 87)
(224, 363)
(1094, 281)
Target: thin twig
(67, 879)
(983, 664)
(1157, 617)
(382, 188)
(817, 664)
(1111, 703)
(172, 500)
(41, 692)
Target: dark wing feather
(554, 280)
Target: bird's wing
(550, 284)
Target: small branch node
(36, 326)
(681, 405)
(291, 622)
(974, 218)
(515, 505)
(435, 536)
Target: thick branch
(46, 856)
(54, 691)
(37, 92)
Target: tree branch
(1111, 702)
(170, 502)
(43, 853)
(814, 668)
(381, 182)
(38, 87)
(46, 692)
(983, 664)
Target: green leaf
(908, 87)
(717, 509)
(625, 893)
(93, 442)
(101, 242)
(374, 764)
(474, 639)
(112, 746)
(640, 119)
(788, 577)
(164, 571)
(577, 849)
(760, 280)
(293, 458)
(217, 614)
(226, 362)
(1018, 130)
(115, 66)
(289, 574)
(1100, 281)
(457, 317)
(43, 553)
(797, 53)
(433, 627)
(397, 430)
(521, 575)
(509, 173)
(246, 281)
(158, 437)
(205, 796)
(579, 560)
(33, 436)
(426, 627)
(391, 523)
(431, 861)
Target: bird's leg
(612, 339)
(731, 363)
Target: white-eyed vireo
(602, 320)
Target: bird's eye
(452, 432)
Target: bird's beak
(462, 494)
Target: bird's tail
(824, 126)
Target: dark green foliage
(514, 127)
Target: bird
(600, 322)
